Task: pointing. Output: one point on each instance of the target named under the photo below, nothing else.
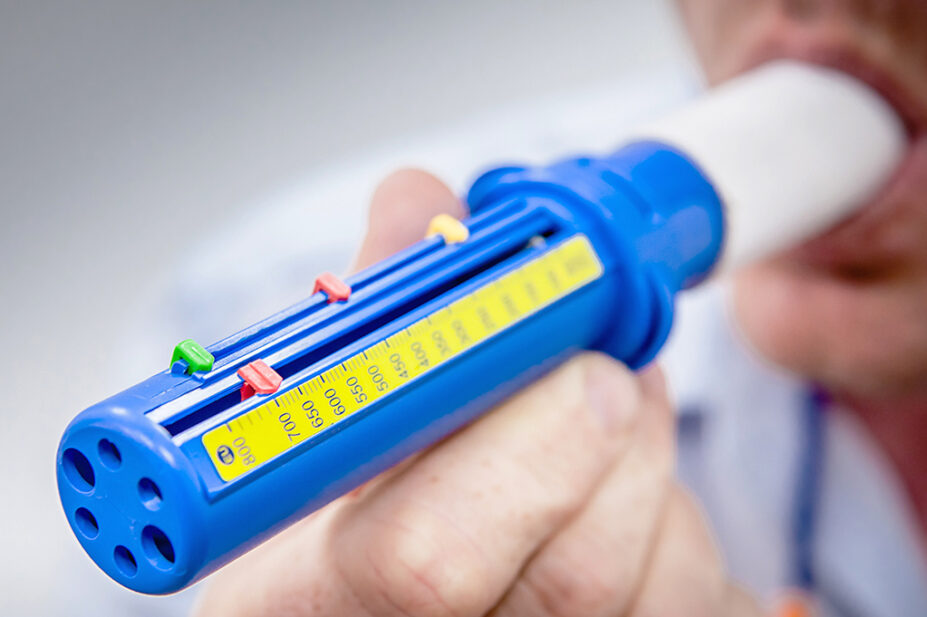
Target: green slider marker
(198, 359)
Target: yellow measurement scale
(287, 419)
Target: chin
(861, 342)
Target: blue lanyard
(808, 489)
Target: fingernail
(612, 393)
(652, 380)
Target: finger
(400, 211)
(450, 534)
(737, 602)
(290, 574)
(593, 565)
(685, 575)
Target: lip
(847, 59)
(853, 246)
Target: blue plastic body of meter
(169, 480)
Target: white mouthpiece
(790, 148)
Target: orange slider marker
(336, 289)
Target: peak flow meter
(174, 477)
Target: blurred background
(132, 131)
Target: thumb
(400, 210)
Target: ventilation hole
(149, 493)
(86, 523)
(125, 561)
(77, 470)
(109, 454)
(157, 547)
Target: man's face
(848, 309)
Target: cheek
(864, 339)
(723, 32)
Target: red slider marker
(259, 378)
(336, 289)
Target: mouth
(878, 237)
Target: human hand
(559, 502)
